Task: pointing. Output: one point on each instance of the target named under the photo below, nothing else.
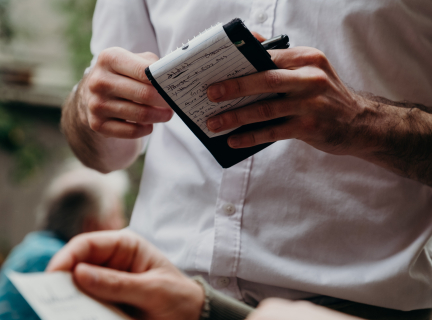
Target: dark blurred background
(44, 49)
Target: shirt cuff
(218, 306)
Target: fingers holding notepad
(315, 106)
(120, 101)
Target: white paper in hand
(54, 296)
(186, 73)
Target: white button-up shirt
(290, 221)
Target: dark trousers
(376, 313)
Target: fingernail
(234, 141)
(215, 92)
(168, 116)
(214, 123)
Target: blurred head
(83, 200)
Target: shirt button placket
(262, 17)
(229, 209)
(227, 228)
(223, 282)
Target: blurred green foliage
(6, 31)
(16, 138)
(78, 31)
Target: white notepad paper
(54, 296)
(186, 73)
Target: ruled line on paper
(186, 74)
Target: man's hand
(320, 110)
(316, 107)
(278, 309)
(114, 101)
(121, 267)
(120, 100)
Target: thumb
(149, 56)
(110, 285)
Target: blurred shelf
(34, 95)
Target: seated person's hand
(122, 267)
(316, 108)
(278, 309)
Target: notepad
(183, 76)
(186, 73)
(54, 296)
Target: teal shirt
(31, 255)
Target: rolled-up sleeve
(122, 23)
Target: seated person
(80, 200)
(122, 267)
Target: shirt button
(229, 209)
(223, 282)
(260, 17)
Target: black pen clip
(279, 42)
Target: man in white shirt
(323, 215)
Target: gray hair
(77, 194)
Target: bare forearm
(399, 138)
(93, 149)
(114, 107)
(321, 111)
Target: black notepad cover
(255, 53)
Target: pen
(278, 42)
